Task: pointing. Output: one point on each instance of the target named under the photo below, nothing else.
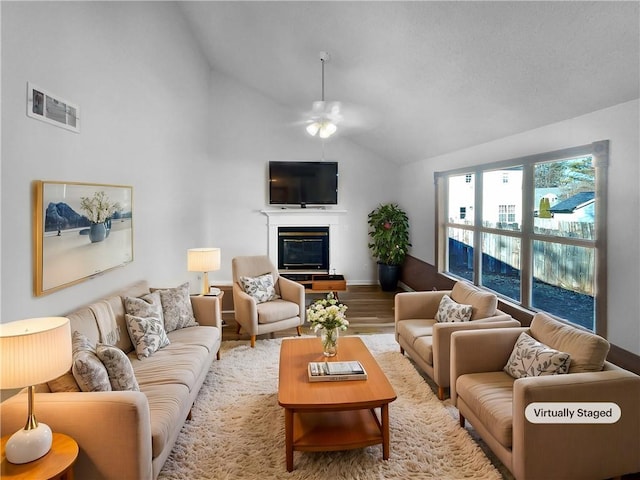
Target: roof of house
(569, 205)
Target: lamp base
(25, 446)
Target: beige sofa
(427, 341)
(494, 403)
(128, 435)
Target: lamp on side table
(203, 260)
(31, 352)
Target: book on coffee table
(336, 371)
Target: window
(538, 235)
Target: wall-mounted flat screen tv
(303, 183)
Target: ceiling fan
(324, 117)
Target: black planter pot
(388, 276)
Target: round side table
(57, 464)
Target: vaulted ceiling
(423, 78)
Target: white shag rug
(237, 429)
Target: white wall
(248, 130)
(141, 83)
(193, 143)
(620, 125)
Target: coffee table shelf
(330, 431)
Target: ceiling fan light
(327, 129)
(313, 128)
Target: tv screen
(303, 183)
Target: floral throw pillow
(147, 334)
(149, 305)
(176, 308)
(450, 311)
(261, 288)
(89, 372)
(118, 367)
(531, 358)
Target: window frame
(599, 151)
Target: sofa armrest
(112, 429)
(577, 450)
(442, 342)
(207, 310)
(410, 305)
(245, 309)
(475, 351)
(293, 292)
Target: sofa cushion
(117, 307)
(147, 334)
(176, 308)
(450, 311)
(276, 310)
(204, 336)
(531, 358)
(261, 288)
(168, 405)
(484, 304)
(64, 383)
(490, 396)
(88, 370)
(588, 351)
(412, 329)
(106, 322)
(84, 321)
(424, 347)
(175, 364)
(118, 368)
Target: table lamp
(32, 351)
(203, 260)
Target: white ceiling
(432, 77)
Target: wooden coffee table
(328, 416)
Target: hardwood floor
(370, 310)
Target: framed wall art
(43, 105)
(79, 230)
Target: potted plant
(389, 235)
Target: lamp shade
(34, 351)
(203, 259)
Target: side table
(57, 464)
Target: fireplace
(302, 248)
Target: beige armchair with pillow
(496, 375)
(424, 323)
(265, 302)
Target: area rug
(237, 429)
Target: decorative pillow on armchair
(176, 308)
(450, 311)
(147, 334)
(261, 288)
(530, 358)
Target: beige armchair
(427, 341)
(260, 318)
(494, 403)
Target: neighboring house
(578, 208)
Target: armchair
(495, 403)
(279, 314)
(427, 341)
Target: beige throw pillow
(531, 358)
(87, 368)
(147, 334)
(118, 367)
(261, 288)
(176, 308)
(450, 311)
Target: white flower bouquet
(327, 313)
(99, 208)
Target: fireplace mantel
(307, 217)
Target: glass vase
(329, 338)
